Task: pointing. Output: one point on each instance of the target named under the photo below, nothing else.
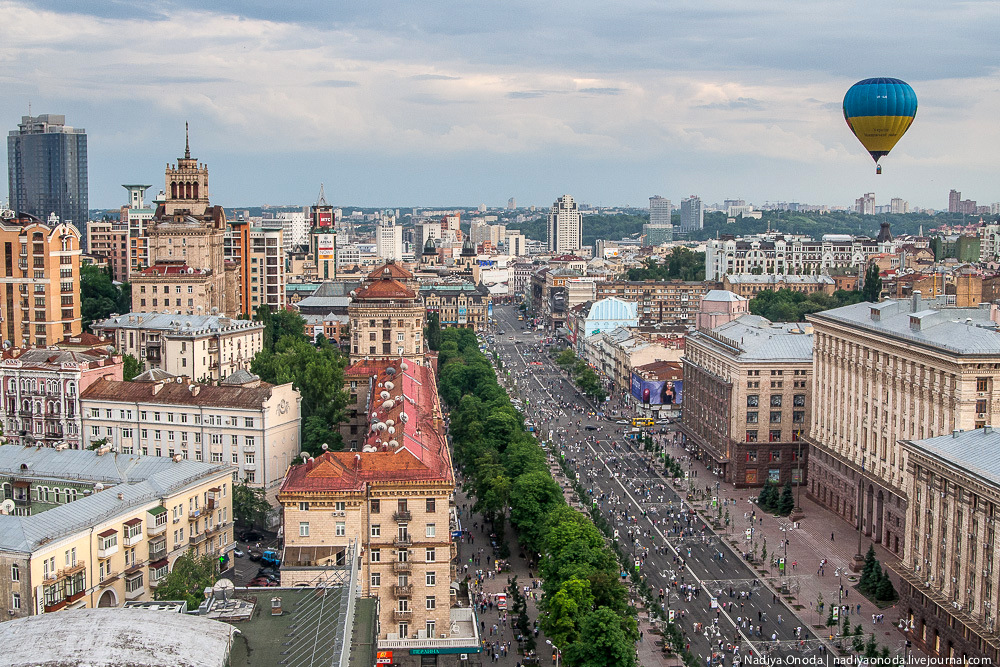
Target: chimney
(917, 301)
(275, 606)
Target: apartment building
(41, 393)
(244, 422)
(748, 285)
(748, 399)
(673, 302)
(393, 499)
(40, 279)
(387, 317)
(109, 239)
(200, 347)
(886, 372)
(262, 269)
(458, 303)
(950, 589)
(96, 529)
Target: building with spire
(188, 272)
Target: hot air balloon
(879, 111)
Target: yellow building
(387, 317)
(96, 528)
(39, 281)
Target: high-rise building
(657, 234)
(109, 239)
(954, 199)
(692, 214)
(39, 280)
(511, 204)
(389, 239)
(865, 205)
(565, 226)
(899, 205)
(262, 269)
(660, 211)
(136, 216)
(47, 169)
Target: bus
(642, 422)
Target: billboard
(610, 253)
(657, 392)
(325, 247)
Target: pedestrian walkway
(818, 537)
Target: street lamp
(557, 649)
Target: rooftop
(390, 270)
(140, 480)
(722, 295)
(971, 331)
(113, 637)
(972, 451)
(229, 395)
(172, 324)
(384, 288)
(751, 279)
(45, 358)
(752, 338)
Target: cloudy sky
(434, 103)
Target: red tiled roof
(393, 269)
(367, 368)
(385, 288)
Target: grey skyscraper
(660, 210)
(47, 169)
(692, 215)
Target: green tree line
(584, 606)
(681, 263)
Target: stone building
(748, 285)
(39, 280)
(660, 301)
(393, 499)
(886, 372)
(748, 399)
(458, 303)
(950, 585)
(41, 390)
(387, 317)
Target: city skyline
(447, 104)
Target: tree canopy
(680, 264)
(187, 579)
(786, 305)
(100, 296)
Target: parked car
(268, 572)
(254, 555)
(238, 553)
(263, 581)
(590, 427)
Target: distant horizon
(447, 101)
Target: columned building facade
(884, 373)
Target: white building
(565, 226)
(660, 211)
(294, 227)
(243, 422)
(516, 245)
(389, 240)
(197, 346)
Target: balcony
(402, 614)
(402, 590)
(55, 605)
(402, 542)
(198, 539)
(401, 566)
(402, 516)
(134, 539)
(153, 528)
(107, 552)
(194, 515)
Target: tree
(130, 367)
(885, 591)
(100, 296)
(606, 639)
(188, 579)
(250, 506)
(868, 580)
(872, 289)
(787, 502)
(433, 331)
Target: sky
(434, 103)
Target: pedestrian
(831, 537)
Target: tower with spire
(321, 213)
(186, 184)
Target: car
(590, 427)
(254, 554)
(623, 421)
(262, 582)
(267, 572)
(238, 553)
(251, 536)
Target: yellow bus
(642, 421)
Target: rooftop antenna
(187, 143)
(322, 196)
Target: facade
(387, 317)
(389, 240)
(748, 285)
(718, 307)
(110, 240)
(94, 529)
(774, 254)
(657, 234)
(865, 204)
(41, 393)
(692, 214)
(47, 169)
(201, 347)
(262, 269)
(40, 280)
(670, 302)
(748, 399)
(135, 215)
(950, 587)
(888, 372)
(458, 304)
(565, 226)
(661, 211)
(515, 245)
(392, 498)
(251, 425)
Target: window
(403, 629)
(133, 584)
(430, 555)
(776, 456)
(431, 602)
(235, 439)
(15, 572)
(751, 417)
(431, 578)
(248, 422)
(799, 400)
(339, 505)
(341, 529)
(775, 400)
(248, 459)
(982, 384)
(752, 436)
(15, 601)
(751, 456)
(216, 456)
(376, 530)
(430, 505)
(236, 458)
(376, 555)
(376, 506)
(376, 579)
(775, 416)
(399, 337)
(981, 405)
(303, 529)
(431, 530)
(753, 400)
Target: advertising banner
(325, 247)
(657, 392)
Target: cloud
(731, 105)
(337, 83)
(602, 91)
(435, 77)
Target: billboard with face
(657, 392)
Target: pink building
(719, 307)
(41, 392)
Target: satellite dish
(7, 506)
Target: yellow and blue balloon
(879, 111)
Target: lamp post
(557, 650)
(859, 558)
